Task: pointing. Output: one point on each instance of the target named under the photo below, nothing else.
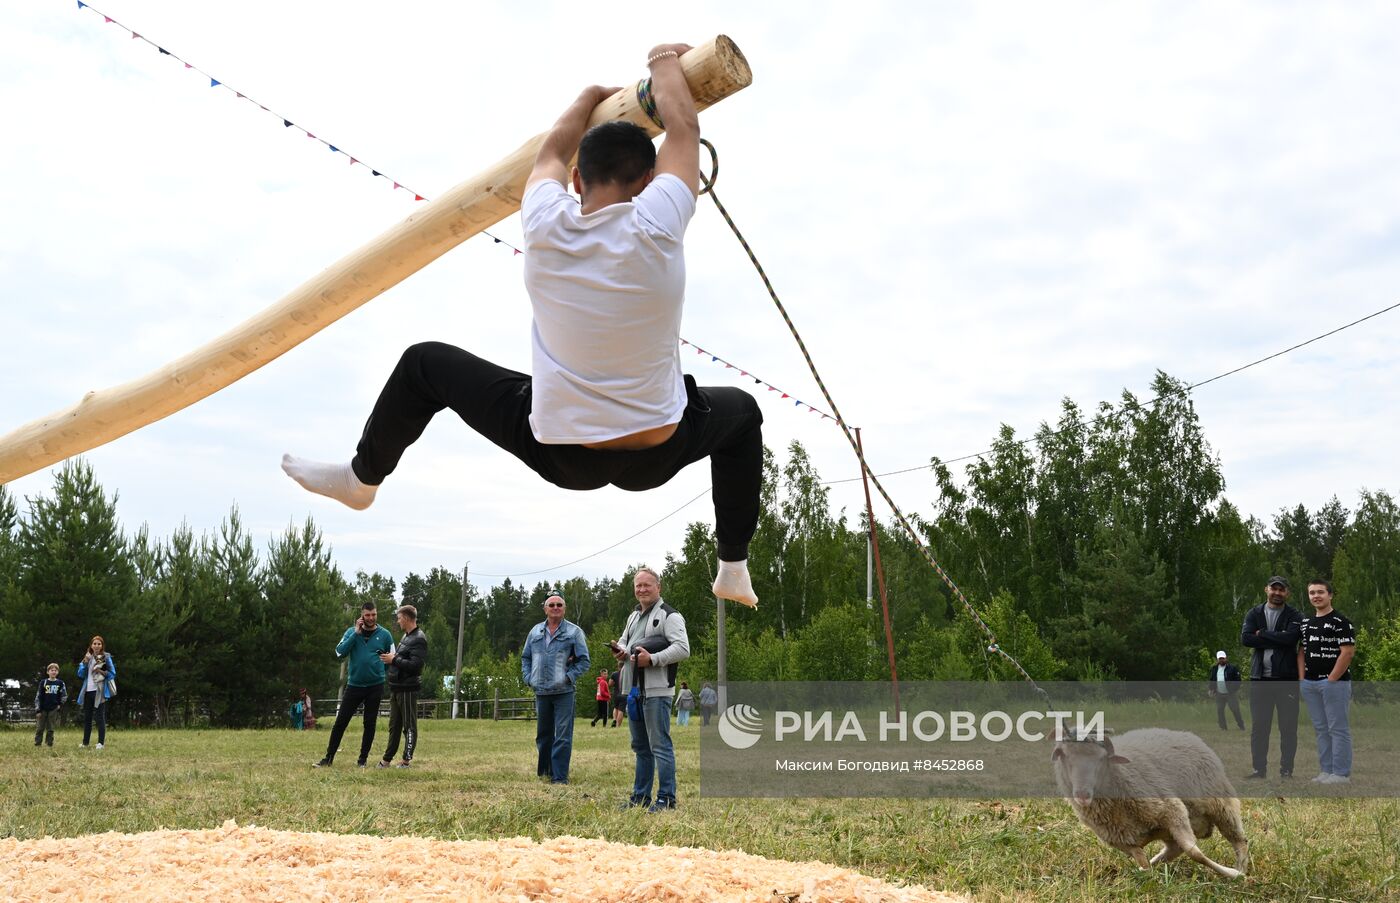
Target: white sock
(733, 583)
(335, 481)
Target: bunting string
(797, 402)
(286, 121)
(418, 196)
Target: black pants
(603, 706)
(349, 702)
(403, 722)
(93, 708)
(1233, 701)
(722, 424)
(1265, 698)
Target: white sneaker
(1336, 779)
(99, 746)
(1321, 778)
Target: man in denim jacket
(554, 658)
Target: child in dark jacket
(51, 694)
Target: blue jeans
(554, 735)
(651, 741)
(1329, 705)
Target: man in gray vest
(1273, 630)
(653, 642)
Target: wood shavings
(251, 863)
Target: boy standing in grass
(51, 694)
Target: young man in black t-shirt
(1324, 660)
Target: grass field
(475, 780)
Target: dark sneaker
(634, 802)
(324, 763)
(661, 805)
(362, 764)
(381, 764)
(1255, 776)
(1286, 775)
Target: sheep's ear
(1119, 760)
(1107, 745)
(1059, 753)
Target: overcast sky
(971, 210)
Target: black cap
(1277, 579)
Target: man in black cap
(1273, 630)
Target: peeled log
(713, 71)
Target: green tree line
(1100, 547)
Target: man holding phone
(361, 646)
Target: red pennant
(134, 36)
(516, 250)
(396, 186)
(785, 395)
(418, 197)
(309, 135)
(353, 161)
(108, 18)
(188, 66)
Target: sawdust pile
(251, 863)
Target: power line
(1152, 403)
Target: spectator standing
(685, 704)
(619, 701)
(555, 656)
(1324, 661)
(97, 675)
(603, 696)
(362, 645)
(308, 717)
(1273, 630)
(1223, 685)
(51, 694)
(709, 700)
(652, 625)
(405, 670)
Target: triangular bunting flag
(134, 36)
(286, 123)
(240, 94)
(164, 51)
(516, 250)
(81, 4)
(796, 402)
(418, 197)
(396, 186)
(213, 83)
(785, 395)
(187, 65)
(334, 149)
(309, 135)
(374, 172)
(353, 161)
(109, 19)
(757, 381)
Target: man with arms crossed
(1272, 630)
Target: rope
(992, 646)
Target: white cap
(1221, 654)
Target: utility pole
(461, 627)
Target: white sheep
(1152, 784)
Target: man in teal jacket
(361, 646)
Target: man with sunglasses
(554, 658)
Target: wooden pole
(713, 71)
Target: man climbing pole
(606, 402)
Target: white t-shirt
(607, 290)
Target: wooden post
(713, 71)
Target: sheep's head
(1082, 764)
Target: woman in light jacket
(97, 675)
